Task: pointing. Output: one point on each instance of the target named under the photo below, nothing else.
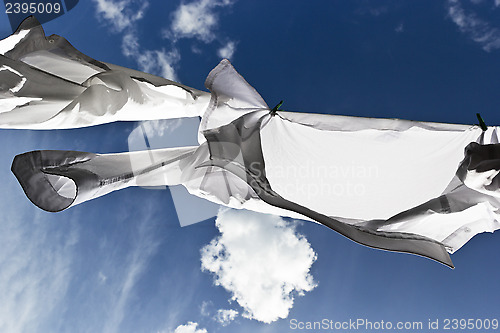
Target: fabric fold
(55, 180)
(48, 84)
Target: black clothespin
(482, 124)
(276, 109)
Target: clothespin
(482, 124)
(276, 108)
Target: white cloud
(225, 317)
(190, 327)
(497, 3)
(118, 13)
(130, 44)
(157, 62)
(194, 20)
(205, 308)
(197, 19)
(124, 16)
(476, 28)
(261, 260)
(196, 49)
(400, 28)
(227, 51)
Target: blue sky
(123, 263)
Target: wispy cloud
(35, 261)
(159, 62)
(145, 247)
(469, 23)
(372, 9)
(227, 51)
(225, 317)
(101, 277)
(190, 327)
(261, 260)
(205, 308)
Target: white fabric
(377, 181)
(365, 174)
(10, 42)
